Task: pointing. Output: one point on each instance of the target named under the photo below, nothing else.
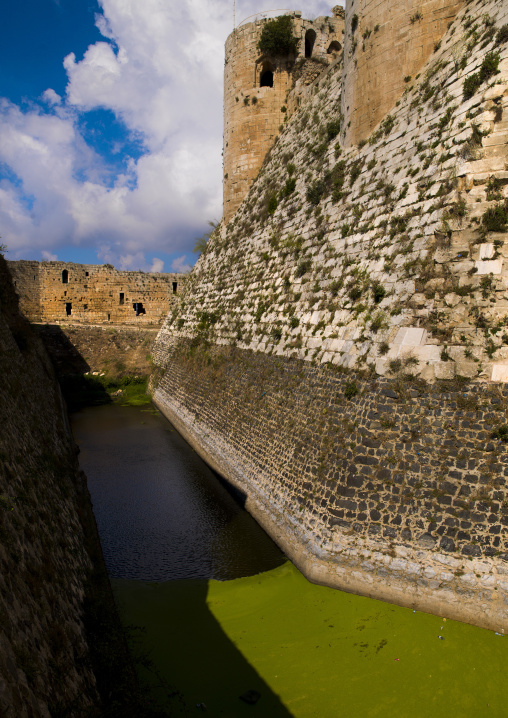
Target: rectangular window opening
(122, 299)
(175, 287)
(68, 308)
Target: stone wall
(44, 563)
(394, 490)
(93, 294)
(254, 114)
(322, 356)
(386, 43)
(379, 255)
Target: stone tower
(385, 42)
(255, 94)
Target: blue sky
(111, 127)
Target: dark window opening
(65, 294)
(65, 277)
(85, 306)
(86, 274)
(68, 308)
(334, 47)
(122, 299)
(266, 79)
(310, 39)
(139, 308)
(175, 287)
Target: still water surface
(161, 512)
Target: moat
(300, 649)
(162, 513)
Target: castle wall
(392, 41)
(397, 492)
(46, 533)
(93, 294)
(27, 284)
(378, 257)
(253, 115)
(377, 261)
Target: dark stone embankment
(62, 651)
(390, 488)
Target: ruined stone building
(92, 293)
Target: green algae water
(265, 643)
(309, 651)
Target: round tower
(256, 86)
(386, 41)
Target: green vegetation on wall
(277, 37)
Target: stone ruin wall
(327, 357)
(92, 294)
(253, 114)
(392, 42)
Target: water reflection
(161, 512)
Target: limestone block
(500, 372)
(466, 368)
(419, 300)
(459, 313)
(497, 164)
(410, 336)
(316, 317)
(491, 266)
(486, 251)
(495, 92)
(444, 369)
(427, 353)
(452, 299)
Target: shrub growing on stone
(315, 192)
(351, 390)
(378, 292)
(488, 69)
(272, 204)
(332, 129)
(501, 432)
(277, 37)
(502, 35)
(302, 268)
(495, 219)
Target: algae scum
(269, 644)
(308, 650)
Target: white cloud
(157, 265)
(51, 97)
(48, 257)
(159, 70)
(180, 264)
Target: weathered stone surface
(49, 542)
(330, 269)
(93, 294)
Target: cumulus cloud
(51, 97)
(180, 264)
(48, 257)
(157, 265)
(159, 69)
